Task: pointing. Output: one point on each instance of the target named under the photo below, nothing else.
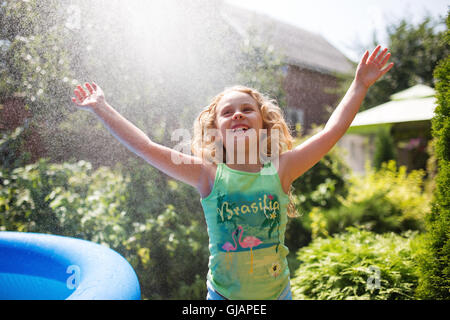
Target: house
(312, 63)
(406, 117)
(13, 114)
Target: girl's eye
(228, 112)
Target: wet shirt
(246, 219)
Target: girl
(245, 204)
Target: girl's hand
(371, 69)
(89, 100)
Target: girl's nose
(238, 115)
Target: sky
(349, 25)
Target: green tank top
(246, 219)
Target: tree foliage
(98, 205)
(435, 262)
(34, 61)
(416, 50)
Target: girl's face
(236, 113)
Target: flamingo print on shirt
(229, 247)
(248, 242)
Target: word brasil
(253, 207)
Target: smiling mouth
(240, 129)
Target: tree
(33, 58)
(434, 282)
(416, 50)
(35, 72)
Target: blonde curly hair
(272, 116)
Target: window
(295, 116)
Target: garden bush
(171, 257)
(386, 200)
(384, 147)
(358, 264)
(11, 148)
(319, 186)
(168, 229)
(103, 206)
(65, 199)
(434, 280)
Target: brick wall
(307, 90)
(13, 114)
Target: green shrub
(168, 229)
(105, 206)
(323, 184)
(384, 147)
(357, 264)
(319, 186)
(435, 261)
(170, 257)
(11, 146)
(381, 201)
(65, 199)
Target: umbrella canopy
(414, 104)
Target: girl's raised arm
(306, 155)
(188, 169)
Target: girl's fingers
(389, 67)
(381, 56)
(82, 92)
(78, 95)
(81, 95)
(374, 53)
(76, 100)
(364, 58)
(88, 86)
(385, 59)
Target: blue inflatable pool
(37, 266)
